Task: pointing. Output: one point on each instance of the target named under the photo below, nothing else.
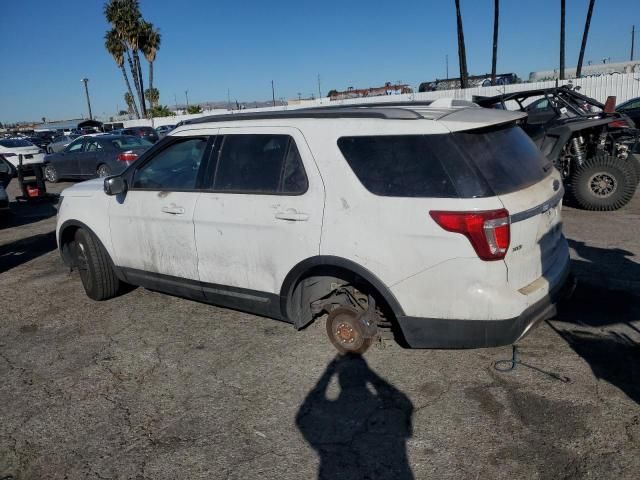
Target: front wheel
(96, 271)
(603, 183)
(51, 174)
(103, 171)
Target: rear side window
(267, 164)
(470, 164)
(397, 166)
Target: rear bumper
(422, 332)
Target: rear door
(262, 214)
(88, 159)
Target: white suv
(440, 224)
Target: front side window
(174, 168)
(266, 164)
(76, 146)
(92, 146)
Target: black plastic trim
(252, 301)
(538, 209)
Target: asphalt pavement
(149, 386)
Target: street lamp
(86, 91)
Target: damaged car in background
(594, 147)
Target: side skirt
(242, 299)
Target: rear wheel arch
(331, 267)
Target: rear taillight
(488, 231)
(619, 124)
(127, 157)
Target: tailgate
(536, 230)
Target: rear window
(128, 143)
(478, 163)
(15, 142)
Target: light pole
(86, 91)
(273, 94)
(186, 94)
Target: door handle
(292, 215)
(173, 210)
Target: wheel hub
(345, 333)
(603, 185)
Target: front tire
(51, 174)
(603, 183)
(96, 270)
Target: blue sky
(208, 47)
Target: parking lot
(152, 386)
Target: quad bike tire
(96, 270)
(603, 183)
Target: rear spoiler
(475, 118)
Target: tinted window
(129, 143)
(260, 164)
(75, 146)
(464, 164)
(176, 167)
(92, 146)
(15, 142)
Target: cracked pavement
(148, 386)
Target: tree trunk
(143, 105)
(126, 79)
(462, 55)
(494, 58)
(562, 10)
(134, 74)
(587, 23)
(153, 103)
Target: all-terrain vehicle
(594, 147)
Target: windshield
(15, 142)
(128, 143)
(478, 163)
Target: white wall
(623, 86)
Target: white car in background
(12, 148)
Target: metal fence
(624, 86)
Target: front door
(261, 216)
(67, 162)
(152, 224)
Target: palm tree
(462, 55)
(153, 95)
(494, 58)
(131, 104)
(150, 45)
(125, 17)
(117, 48)
(585, 34)
(562, 9)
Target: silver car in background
(60, 142)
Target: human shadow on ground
(600, 323)
(362, 433)
(21, 251)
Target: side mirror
(115, 185)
